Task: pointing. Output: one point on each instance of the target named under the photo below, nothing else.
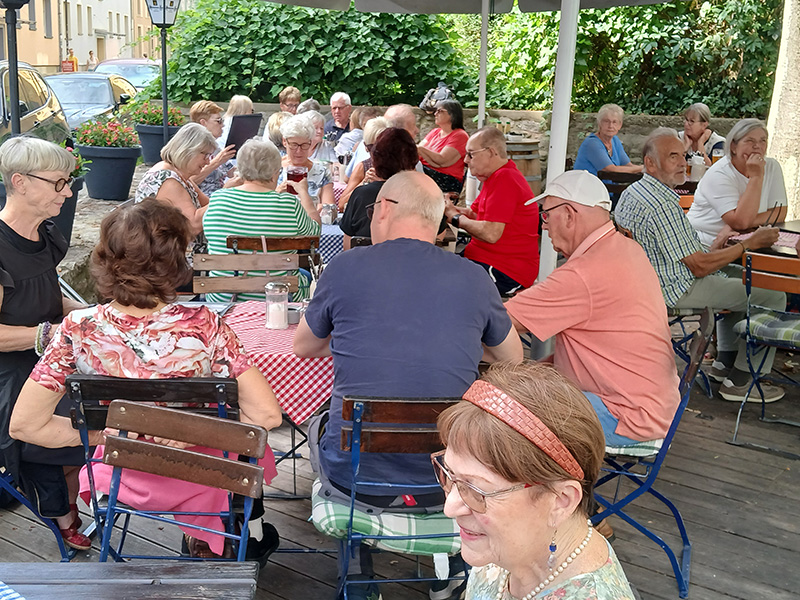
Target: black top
(354, 221)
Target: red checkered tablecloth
(302, 385)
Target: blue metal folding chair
(387, 425)
(622, 467)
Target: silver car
(84, 96)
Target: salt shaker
(277, 309)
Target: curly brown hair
(141, 256)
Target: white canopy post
(484, 51)
(559, 123)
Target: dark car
(39, 109)
(84, 96)
(139, 71)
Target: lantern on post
(163, 14)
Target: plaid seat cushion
(331, 519)
(772, 326)
(648, 448)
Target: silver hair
(258, 160)
(741, 129)
(341, 96)
(307, 105)
(315, 118)
(299, 126)
(402, 115)
(701, 110)
(650, 147)
(192, 139)
(373, 129)
(492, 137)
(616, 109)
(26, 154)
(417, 195)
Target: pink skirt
(144, 491)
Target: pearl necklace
(560, 569)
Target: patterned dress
(606, 583)
(176, 341)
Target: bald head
(491, 137)
(402, 116)
(409, 205)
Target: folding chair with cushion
(205, 415)
(386, 425)
(764, 328)
(621, 462)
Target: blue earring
(551, 561)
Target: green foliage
(656, 59)
(258, 48)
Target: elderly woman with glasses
(298, 135)
(603, 150)
(742, 190)
(184, 157)
(254, 208)
(443, 150)
(36, 174)
(362, 173)
(522, 454)
(697, 137)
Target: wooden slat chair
(640, 464)
(764, 328)
(386, 425)
(266, 256)
(202, 412)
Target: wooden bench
(129, 581)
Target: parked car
(84, 96)
(139, 71)
(40, 111)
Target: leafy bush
(152, 113)
(109, 133)
(259, 48)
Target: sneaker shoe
(718, 371)
(364, 591)
(444, 590)
(736, 393)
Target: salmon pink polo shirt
(605, 308)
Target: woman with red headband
(524, 451)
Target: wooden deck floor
(740, 507)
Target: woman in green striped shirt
(256, 208)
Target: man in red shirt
(504, 229)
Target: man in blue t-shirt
(401, 318)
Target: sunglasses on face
(370, 208)
(472, 496)
(59, 184)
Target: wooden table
(138, 580)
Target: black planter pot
(152, 139)
(66, 218)
(111, 172)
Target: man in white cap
(605, 309)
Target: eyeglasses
(369, 147)
(371, 207)
(217, 120)
(59, 184)
(293, 146)
(439, 110)
(472, 496)
(291, 106)
(471, 153)
(544, 215)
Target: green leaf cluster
(655, 59)
(226, 47)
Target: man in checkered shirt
(690, 276)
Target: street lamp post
(11, 7)
(163, 14)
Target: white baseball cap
(577, 186)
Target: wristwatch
(455, 219)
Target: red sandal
(74, 539)
(77, 523)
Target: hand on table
(763, 237)
(722, 238)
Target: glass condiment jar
(277, 307)
(327, 214)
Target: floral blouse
(606, 583)
(176, 341)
